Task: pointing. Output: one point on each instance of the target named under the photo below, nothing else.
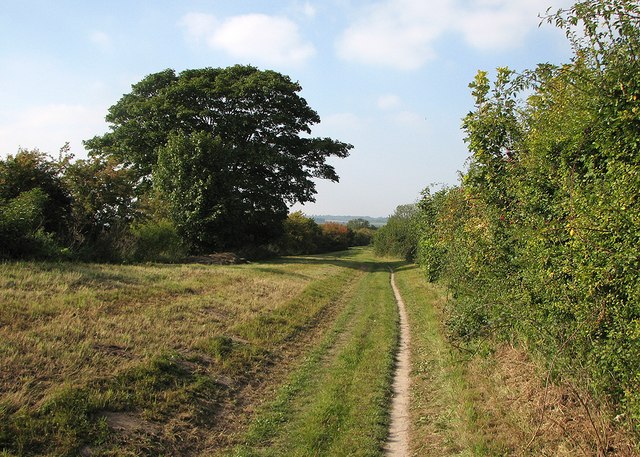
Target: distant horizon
(346, 215)
(344, 219)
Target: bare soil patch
(220, 258)
(398, 441)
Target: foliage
(399, 236)
(359, 223)
(203, 160)
(21, 227)
(34, 205)
(156, 240)
(103, 206)
(539, 242)
(362, 231)
(32, 169)
(301, 235)
(227, 147)
(362, 236)
(335, 236)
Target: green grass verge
(445, 419)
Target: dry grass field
(151, 359)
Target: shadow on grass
(355, 258)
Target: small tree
(336, 237)
(32, 169)
(104, 204)
(301, 235)
(34, 205)
(359, 223)
(362, 236)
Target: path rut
(398, 441)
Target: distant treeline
(539, 243)
(374, 221)
(89, 210)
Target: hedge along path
(398, 441)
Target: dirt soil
(219, 258)
(398, 441)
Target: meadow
(292, 357)
(103, 359)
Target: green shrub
(156, 241)
(539, 243)
(21, 227)
(399, 236)
(362, 236)
(301, 235)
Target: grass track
(492, 398)
(290, 357)
(336, 402)
(443, 406)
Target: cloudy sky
(388, 76)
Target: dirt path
(398, 441)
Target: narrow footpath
(398, 442)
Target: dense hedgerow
(302, 235)
(398, 237)
(539, 242)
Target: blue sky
(388, 76)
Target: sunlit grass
(337, 402)
(444, 416)
(86, 348)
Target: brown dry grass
(138, 359)
(532, 416)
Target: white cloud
(198, 25)
(308, 10)
(402, 33)
(255, 37)
(49, 127)
(388, 101)
(101, 39)
(396, 33)
(498, 24)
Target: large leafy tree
(229, 148)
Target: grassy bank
(493, 399)
(149, 359)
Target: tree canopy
(228, 148)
